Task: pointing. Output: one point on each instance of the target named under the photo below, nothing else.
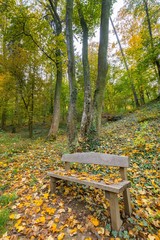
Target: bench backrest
(97, 158)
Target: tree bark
(56, 106)
(72, 133)
(102, 67)
(86, 116)
(16, 112)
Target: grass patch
(5, 199)
(12, 143)
(4, 218)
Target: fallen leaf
(20, 228)
(50, 211)
(54, 227)
(94, 221)
(41, 219)
(60, 236)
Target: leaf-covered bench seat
(111, 187)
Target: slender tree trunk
(31, 108)
(86, 116)
(4, 116)
(72, 133)
(16, 112)
(142, 99)
(126, 66)
(157, 60)
(102, 66)
(5, 100)
(56, 106)
(51, 93)
(56, 109)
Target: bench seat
(115, 188)
(111, 187)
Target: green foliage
(11, 143)
(4, 217)
(5, 199)
(91, 142)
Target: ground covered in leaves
(29, 211)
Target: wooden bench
(111, 190)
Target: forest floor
(29, 211)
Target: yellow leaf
(50, 210)
(153, 183)
(88, 238)
(67, 190)
(18, 223)
(54, 227)
(60, 236)
(57, 218)
(94, 221)
(73, 231)
(46, 195)
(38, 209)
(41, 219)
(14, 216)
(20, 228)
(117, 180)
(38, 202)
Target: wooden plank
(126, 194)
(53, 184)
(116, 188)
(123, 172)
(67, 166)
(116, 221)
(97, 158)
(127, 202)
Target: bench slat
(116, 188)
(97, 158)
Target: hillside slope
(28, 211)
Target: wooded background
(44, 79)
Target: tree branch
(41, 48)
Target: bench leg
(52, 184)
(127, 202)
(116, 221)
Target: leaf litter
(77, 212)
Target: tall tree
(72, 133)
(102, 66)
(56, 22)
(86, 116)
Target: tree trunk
(4, 117)
(31, 108)
(102, 67)
(86, 116)
(56, 109)
(72, 133)
(126, 66)
(56, 106)
(142, 99)
(16, 111)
